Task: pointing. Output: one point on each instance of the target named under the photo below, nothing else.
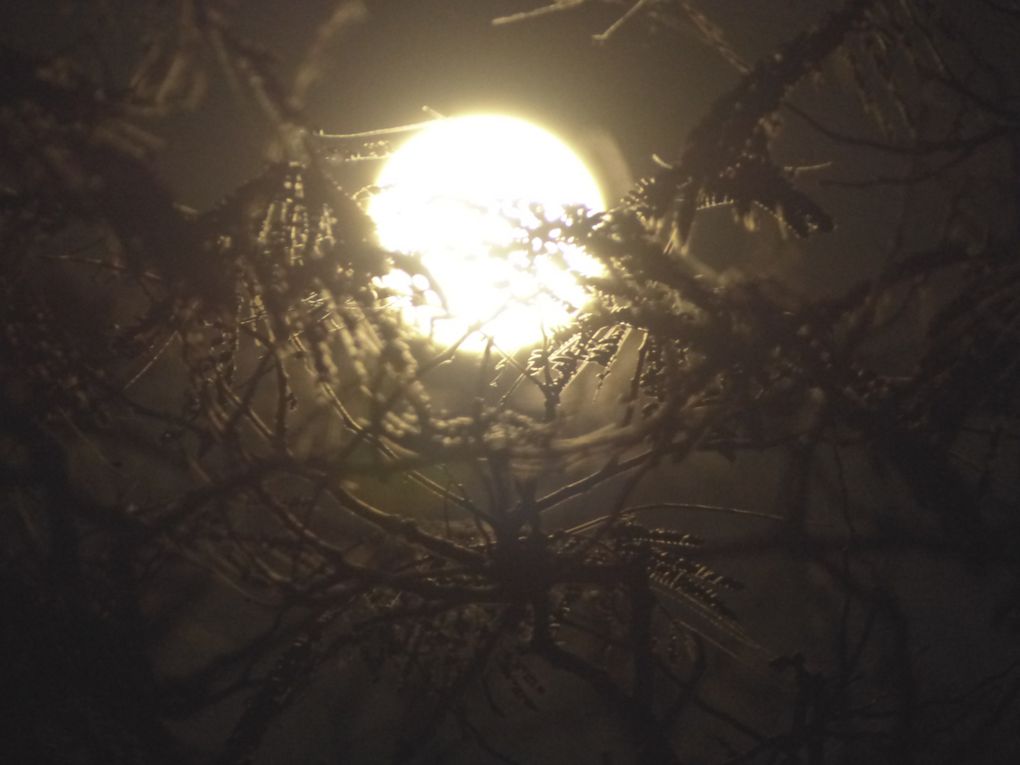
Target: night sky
(871, 626)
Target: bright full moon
(459, 193)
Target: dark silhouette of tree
(238, 493)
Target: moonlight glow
(457, 193)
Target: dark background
(637, 94)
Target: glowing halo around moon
(457, 193)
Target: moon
(460, 193)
